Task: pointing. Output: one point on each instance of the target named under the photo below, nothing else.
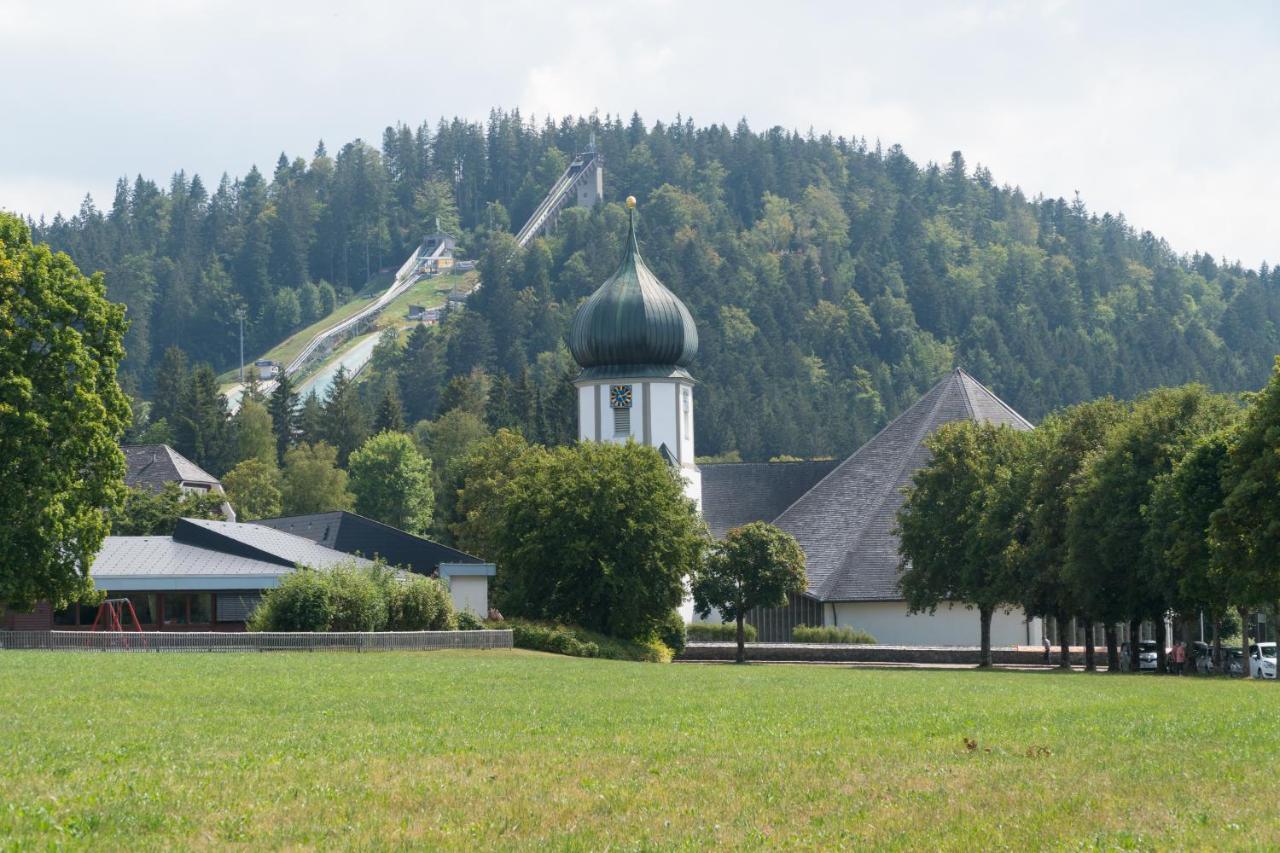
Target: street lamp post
(240, 314)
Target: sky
(1167, 112)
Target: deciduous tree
(597, 535)
(756, 565)
(313, 482)
(391, 482)
(254, 489)
(958, 522)
(61, 414)
(148, 513)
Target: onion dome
(632, 325)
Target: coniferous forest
(833, 281)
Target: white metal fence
(215, 641)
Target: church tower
(633, 339)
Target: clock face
(620, 396)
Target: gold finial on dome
(631, 202)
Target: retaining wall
(857, 653)
(266, 641)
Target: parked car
(1202, 657)
(1235, 662)
(1146, 656)
(1262, 660)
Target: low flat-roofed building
(207, 576)
(466, 576)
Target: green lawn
(512, 749)
(430, 292)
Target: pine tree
(390, 415)
(172, 378)
(203, 425)
(310, 423)
(343, 424)
(283, 408)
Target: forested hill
(832, 281)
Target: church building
(634, 340)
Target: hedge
(807, 634)
(353, 598)
(709, 632)
(579, 642)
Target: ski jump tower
(582, 184)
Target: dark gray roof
(259, 542)
(355, 534)
(735, 493)
(151, 466)
(845, 523)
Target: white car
(1147, 656)
(1262, 660)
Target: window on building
(622, 422)
(144, 606)
(686, 405)
(175, 609)
(65, 617)
(201, 604)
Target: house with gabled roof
(154, 466)
(844, 514)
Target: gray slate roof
(736, 493)
(259, 542)
(212, 549)
(355, 534)
(160, 556)
(845, 523)
(151, 466)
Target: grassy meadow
(516, 749)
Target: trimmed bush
(709, 632)
(300, 603)
(420, 604)
(353, 598)
(807, 634)
(359, 600)
(468, 621)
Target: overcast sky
(1168, 112)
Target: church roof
(632, 321)
(845, 523)
(735, 493)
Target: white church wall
(954, 625)
(685, 413)
(662, 422)
(586, 414)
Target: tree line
(1109, 513)
(832, 279)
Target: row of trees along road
(1110, 513)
